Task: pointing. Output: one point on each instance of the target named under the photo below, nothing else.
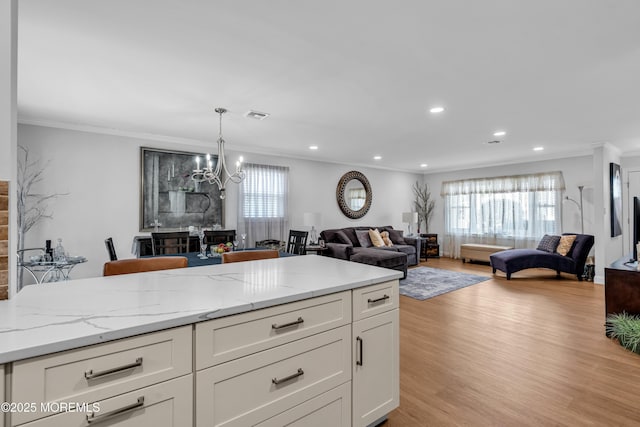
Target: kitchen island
(316, 332)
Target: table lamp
(409, 218)
(310, 220)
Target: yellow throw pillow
(565, 244)
(376, 238)
(385, 238)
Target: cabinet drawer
(229, 338)
(332, 408)
(168, 404)
(256, 387)
(101, 371)
(375, 299)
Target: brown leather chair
(249, 255)
(138, 265)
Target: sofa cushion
(376, 238)
(396, 237)
(407, 249)
(566, 241)
(363, 238)
(548, 243)
(341, 237)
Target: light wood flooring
(530, 351)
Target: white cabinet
(99, 372)
(254, 388)
(272, 364)
(168, 404)
(376, 365)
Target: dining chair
(174, 242)
(297, 242)
(240, 256)
(108, 242)
(139, 265)
(215, 237)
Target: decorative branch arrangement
(423, 204)
(32, 207)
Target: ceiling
(354, 77)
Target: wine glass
(235, 243)
(244, 241)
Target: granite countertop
(47, 318)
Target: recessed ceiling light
(436, 110)
(377, 157)
(313, 147)
(423, 165)
(538, 148)
(499, 133)
(256, 115)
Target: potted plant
(626, 329)
(423, 204)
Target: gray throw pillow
(548, 243)
(342, 237)
(396, 236)
(363, 238)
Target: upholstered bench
(381, 258)
(479, 252)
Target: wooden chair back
(215, 237)
(174, 242)
(297, 243)
(240, 256)
(108, 242)
(139, 265)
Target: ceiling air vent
(256, 115)
(495, 141)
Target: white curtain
(510, 210)
(263, 203)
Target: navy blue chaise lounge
(513, 260)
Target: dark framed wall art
(616, 199)
(170, 198)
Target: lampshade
(311, 218)
(410, 217)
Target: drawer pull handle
(90, 375)
(382, 298)
(286, 325)
(289, 378)
(104, 417)
(359, 361)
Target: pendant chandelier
(217, 175)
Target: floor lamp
(580, 187)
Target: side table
(316, 249)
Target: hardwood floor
(530, 351)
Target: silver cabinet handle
(104, 417)
(285, 325)
(290, 377)
(359, 361)
(382, 298)
(90, 375)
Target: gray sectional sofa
(354, 244)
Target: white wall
(100, 175)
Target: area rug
(426, 282)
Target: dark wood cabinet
(621, 289)
(430, 247)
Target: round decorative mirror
(354, 194)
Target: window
(263, 202)
(511, 210)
